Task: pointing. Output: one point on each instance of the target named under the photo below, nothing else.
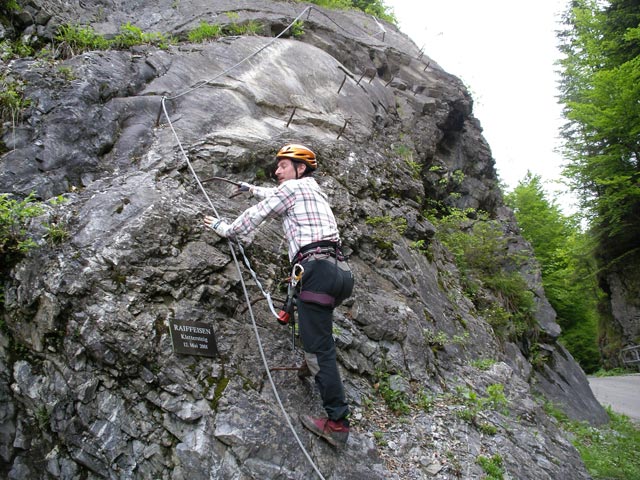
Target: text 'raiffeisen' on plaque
(193, 338)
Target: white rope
(230, 243)
(237, 263)
(248, 300)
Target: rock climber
(313, 242)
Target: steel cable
(231, 244)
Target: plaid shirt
(307, 216)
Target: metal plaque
(193, 338)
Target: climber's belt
(320, 249)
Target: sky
(505, 53)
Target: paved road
(622, 393)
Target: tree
(567, 267)
(600, 90)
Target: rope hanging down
(248, 300)
(230, 243)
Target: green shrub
(396, 400)
(76, 39)
(425, 401)
(372, 7)
(205, 31)
(297, 29)
(386, 229)
(14, 217)
(10, 50)
(6, 50)
(482, 256)
(10, 6)
(613, 372)
(474, 404)
(130, 36)
(250, 28)
(483, 363)
(56, 233)
(492, 466)
(12, 100)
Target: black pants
(325, 284)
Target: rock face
(622, 285)
(89, 384)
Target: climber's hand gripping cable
(242, 186)
(217, 225)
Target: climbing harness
(297, 271)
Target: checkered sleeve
(273, 205)
(305, 212)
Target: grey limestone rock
(90, 386)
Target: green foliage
(67, 73)
(613, 372)
(221, 386)
(76, 39)
(497, 317)
(610, 451)
(496, 398)
(10, 6)
(43, 417)
(475, 404)
(205, 31)
(387, 228)
(56, 230)
(379, 438)
(249, 28)
(425, 401)
(6, 50)
(334, 4)
(130, 36)
(475, 242)
(261, 174)
(55, 233)
(437, 340)
(568, 266)
(297, 29)
(600, 89)
(483, 259)
(372, 7)
(15, 241)
(492, 466)
(396, 400)
(421, 246)
(405, 153)
(483, 363)
(458, 176)
(12, 100)
(15, 49)
(14, 217)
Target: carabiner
(296, 274)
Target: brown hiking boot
(334, 432)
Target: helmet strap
(295, 167)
